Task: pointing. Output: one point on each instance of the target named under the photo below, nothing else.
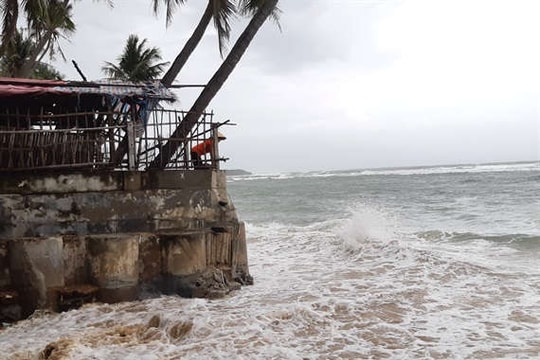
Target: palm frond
(170, 7)
(250, 7)
(136, 63)
(113, 71)
(54, 23)
(223, 11)
(36, 11)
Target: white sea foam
(367, 227)
(274, 176)
(420, 170)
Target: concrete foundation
(71, 238)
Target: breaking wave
(420, 170)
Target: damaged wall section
(71, 238)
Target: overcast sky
(352, 83)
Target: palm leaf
(136, 63)
(250, 7)
(170, 7)
(223, 11)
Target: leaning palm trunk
(188, 48)
(214, 85)
(38, 52)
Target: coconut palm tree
(54, 22)
(13, 58)
(265, 9)
(136, 63)
(17, 54)
(46, 20)
(9, 10)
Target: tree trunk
(30, 63)
(188, 48)
(10, 15)
(214, 85)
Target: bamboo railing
(96, 140)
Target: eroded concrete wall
(156, 202)
(70, 238)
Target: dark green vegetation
(137, 63)
(23, 50)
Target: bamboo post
(186, 145)
(215, 148)
(131, 145)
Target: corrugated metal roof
(19, 87)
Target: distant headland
(237, 172)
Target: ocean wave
(255, 177)
(365, 226)
(465, 236)
(514, 239)
(534, 178)
(403, 171)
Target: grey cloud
(320, 33)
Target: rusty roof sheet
(21, 87)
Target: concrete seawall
(71, 238)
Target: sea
(438, 262)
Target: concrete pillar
(114, 266)
(46, 255)
(74, 254)
(218, 249)
(150, 262)
(26, 278)
(183, 254)
(5, 281)
(240, 269)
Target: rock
(211, 284)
